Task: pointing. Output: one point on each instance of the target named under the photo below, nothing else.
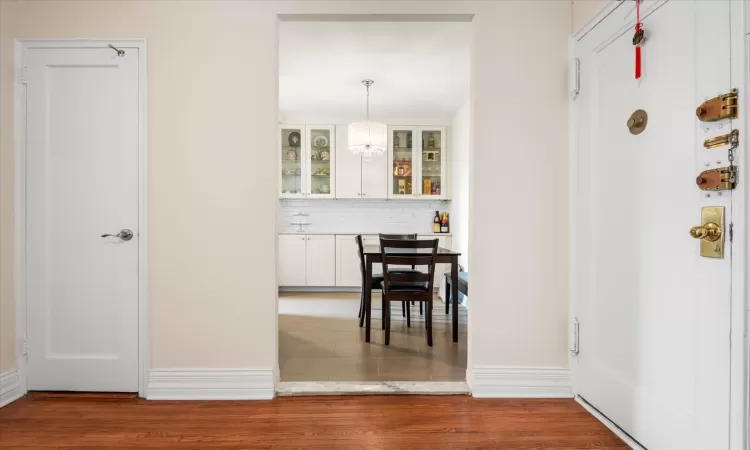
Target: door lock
(125, 235)
(711, 232)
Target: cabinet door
(375, 176)
(348, 168)
(401, 141)
(373, 239)
(291, 178)
(348, 272)
(320, 145)
(432, 169)
(321, 260)
(292, 265)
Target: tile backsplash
(359, 216)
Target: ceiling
(421, 70)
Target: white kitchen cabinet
(292, 263)
(321, 260)
(417, 158)
(359, 176)
(307, 155)
(348, 272)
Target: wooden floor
(325, 423)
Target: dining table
(373, 255)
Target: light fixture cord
(368, 102)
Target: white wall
(213, 106)
(585, 10)
(460, 145)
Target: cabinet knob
(364, 193)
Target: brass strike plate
(711, 232)
(717, 108)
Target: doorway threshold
(301, 388)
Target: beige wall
(212, 120)
(585, 10)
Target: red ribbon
(638, 27)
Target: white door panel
(348, 167)
(348, 273)
(375, 176)
(321, 260)
(654, 348)
(82, 182)
(292, 260)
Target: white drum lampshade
(368, 137)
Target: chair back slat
(408, 260)
(399, 277)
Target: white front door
(654, 314)
(82, 182)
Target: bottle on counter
(436, 222)
(444, 225)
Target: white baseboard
(608, 423)
(10, 387)
(211, 384)
(520, 382)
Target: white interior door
(654, 315)
(82, 182)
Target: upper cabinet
(359, 176)
(417, 157)
(311, 165)
(291, 147)
(307, 155)
(320, 157)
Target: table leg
(368, 297)
(454, 295)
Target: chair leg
(420, 308)
(403, 309)
(361, 309)
(388, 324)
(382, 313)
(408, 313)
(428, 321)
(447, 295)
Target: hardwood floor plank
(70, 421)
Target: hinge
(575, 338)
(731, 232)
(25, 75)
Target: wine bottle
(436, 223)
(444, 223)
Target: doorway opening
(329, 195)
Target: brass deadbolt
(709, 232)
(637, 121)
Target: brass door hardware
(717, 108)
(711, 232)
(720, 179)
(731, 138)
(637, 121)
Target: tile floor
(320, 340)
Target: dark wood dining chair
(405, 312)
(377, 280)
(408, 286)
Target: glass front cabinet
(418, 160)
(307, 161)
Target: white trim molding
(10, 387)
(520, 382)
(211, 384)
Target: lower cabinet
(307, 260)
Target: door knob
(125, 235)
(708, 231)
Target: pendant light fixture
(368, 137)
